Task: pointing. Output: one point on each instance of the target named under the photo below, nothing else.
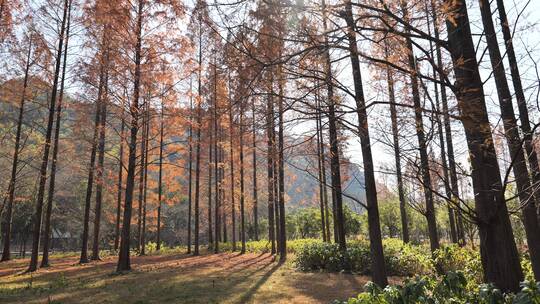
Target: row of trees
(185, 101)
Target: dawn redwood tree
(120, 182)
(91, 167)
(32, 51)
(526, 193)
(397, 152)
(52, 177)
(378, 267)
(498, 251)
(134, 108)
(36, 220)
(532, 154)
(335, 170)
(429, 211)
(254, 170)
(448, 131)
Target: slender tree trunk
(339, 220)
(448, 130)
(146, 148)
(231, 156)
(217, 169)
(190, 166)
(397, 154)
(91, 170)
(532, 154)
(320, 163)
(216, 166)
(160, 180)
(144, 136)
(119, 186)
(210, 148)
(378, 267)
(254, 170)
(527, 198)
(281, 171)
(123, 256)
(50, 195)
(323, 170)
(36, 220)
(270, 170)
(6, 224)
(446, 176)
(198, 150)
(500, 260)
(100, 167)
(422, 145)
(242, 195)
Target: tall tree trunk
(190, 166)
(320, 166)
(160, 178)
(378, 267)
(217, 168)
(119, 186)
(527, 198)
(532, 154)
(397, 155)
(198, 150)
(50, 195)
(323, 170)
(91, 171)
(339, 220)
(6, 224)
(444, 165)
(422, 144)
(500, 260)
(281, 173)
(270, 170)
(231, 156)
(254, 170)
(448, 131)
(36, 220)
(242, 196)
(146, 148)
(142, 163)
(100, 167)
(123, 256)
(210, 148)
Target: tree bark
(397, 154)
(270, 169)
(254, 152)
(36, 220)
(160, 180)
(100, 167)
(527, 198)
(119, 186)
(123, 256)
(6, 224)
(378, 267)
(91, 171)
(500, 260)
(339, 220)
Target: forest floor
(174, 278)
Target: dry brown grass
(174, 278)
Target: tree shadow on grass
(253, 289)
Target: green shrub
(401, 259)
(450, 288)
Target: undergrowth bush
(450, 288)
(401, 259)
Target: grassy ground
(174, 278)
